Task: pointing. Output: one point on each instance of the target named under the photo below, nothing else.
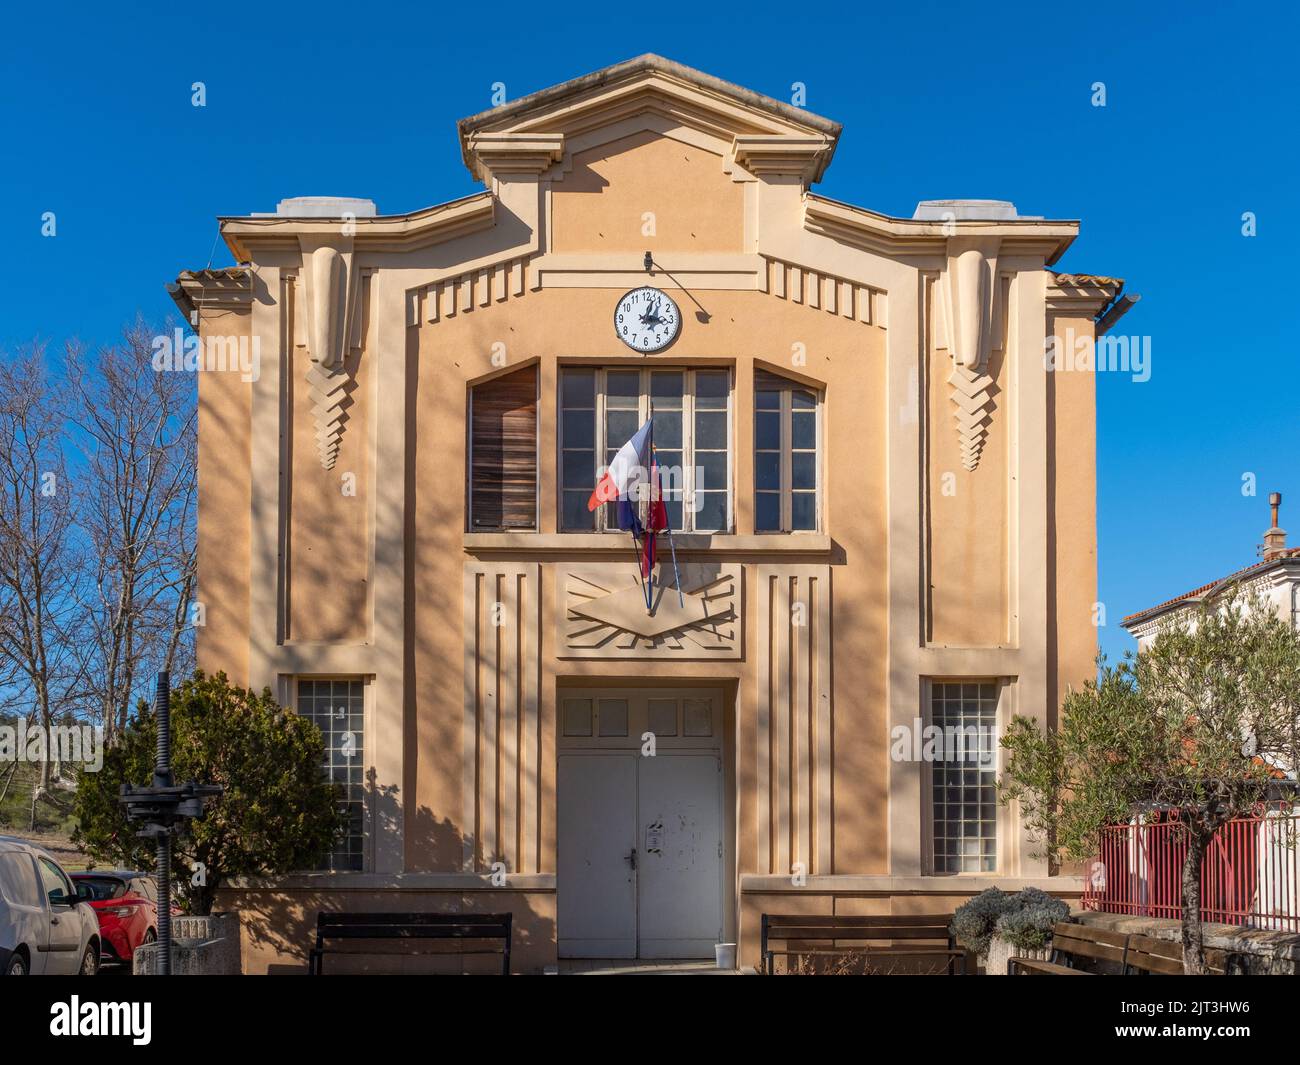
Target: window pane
(803, 469)
(578, 388)
(767, 470)
(803, 430)
(668, 428)
(803, 511)
(579, 428)
(576, 515)
(711, 391)
(711, 429)
(674, 510)
(767, 430)
(622, 388)
(670, 473)
(767, 512)
(801, 400)
(620, 427)
(666, 389)
(710, 470)
(579, 469)
(767, 400)
(712, 513)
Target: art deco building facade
(884, 506)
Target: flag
(625, 474)
(633, 479)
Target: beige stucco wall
(904, 582)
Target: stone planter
(1001, 950)
(201, 946)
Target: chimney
(1275, 538)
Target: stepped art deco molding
(329, 322)
(602, 613)
(973, 303)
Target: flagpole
(668, 523)
(677, 579)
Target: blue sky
(937, 101)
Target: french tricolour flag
(640, 509)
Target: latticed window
(337, 708)
(600, 411)
(785, 455)
(963, 776)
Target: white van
(44, 927)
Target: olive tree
(1203, 726)
(277, 813)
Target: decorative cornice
(495, 155)
(226, 289)
(876, 232)
(784, 155)
(383, 233)
(646, 82)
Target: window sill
(620, 544)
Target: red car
(126, 904)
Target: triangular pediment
(531, 133)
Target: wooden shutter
(503, 449)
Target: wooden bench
(474, 929)
(1071, 942)
(1147, 955)
(817, 936)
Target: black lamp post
(162, 808)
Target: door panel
(63, 950)
(596, 903)
(679, 868)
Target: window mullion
(688, 451)
(787, 505)
(601, 445)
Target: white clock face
(647, 319)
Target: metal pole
(162, 778)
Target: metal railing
(1250, 876)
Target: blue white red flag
(633, 479)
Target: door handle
(631, 857)
(54, 920)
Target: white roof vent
(984, 210)
(325, 207)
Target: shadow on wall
(279, 924)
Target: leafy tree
(1203, 726)
(278, 812)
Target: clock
(647, 319)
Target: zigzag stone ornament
(971, 294)
(330, 298)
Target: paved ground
(636, 967)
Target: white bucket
(725, 955)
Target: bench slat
(1031, 966)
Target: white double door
(640, 868)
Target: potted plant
(1025, 932)
(997, 925)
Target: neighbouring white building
(1276, 578)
